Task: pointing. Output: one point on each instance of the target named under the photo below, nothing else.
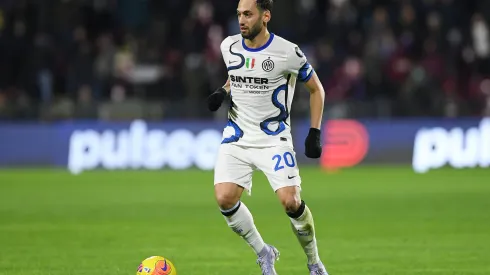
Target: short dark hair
(265, 5)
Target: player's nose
(241, 20)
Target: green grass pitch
(370, 220)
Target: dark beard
(254, 31)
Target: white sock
(240, 220)
(304, 229)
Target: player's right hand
(216, 99)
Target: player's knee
(296, 211)
(291, 203)
(226, 201)
(226, 198)
(290, 198)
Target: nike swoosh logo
(165, 267)
(289, 177)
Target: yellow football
(156, 265)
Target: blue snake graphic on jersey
(242, 62)
(238, 132)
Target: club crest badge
(268, 65)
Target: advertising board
(424, 144)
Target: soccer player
(263, 69)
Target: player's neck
(259, 40)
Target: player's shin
(304, 229)
(240, 220)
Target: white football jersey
(262, 82)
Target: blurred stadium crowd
(159, 59)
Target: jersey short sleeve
(298, 64)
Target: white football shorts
(236, 164)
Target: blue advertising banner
(80, 146)
(83, 146)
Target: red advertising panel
(346, 144)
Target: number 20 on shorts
(288, 160)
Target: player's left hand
(216, 99)
(313, 147)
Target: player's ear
(266, 16)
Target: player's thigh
(232, 167)
(279, 165)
